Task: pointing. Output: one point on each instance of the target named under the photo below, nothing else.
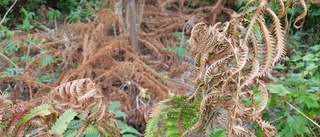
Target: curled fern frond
(278, 32)
(231, 58)
(269, 44)
(297, 24)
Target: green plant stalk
(303, 115)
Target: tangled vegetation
(87, 68)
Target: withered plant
(55, 113)
(229, 60)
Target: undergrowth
(27, 13)
(227, 108)
(294, 106)
(73, 73)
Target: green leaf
(26, 58)
(180, 51)
(120, 114)
(259, 133)
(152, 125)
(257, 32)
(45, 78)
(315, 48)
(62, 123)
(280, 66)
(278, 89)
(42, 110)
(124, 128)
(128, 135)
(298, 124)
(113, 107)
(70, 133)
(54, 14)
(76, 124)
(12, 71)
(219, 132)
(47, 60)
(311, 66)
(91, 131)
(308, 57)
(26, 24)
(10, 48)
(311, 100)
(246, 101)
(257, 96)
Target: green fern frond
(152, 125)
(172, 131)
(124, 128)
(62, 123)
(42, 110)
(71, 133)
(91, 130)
(37, 112)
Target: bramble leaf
(278, 89)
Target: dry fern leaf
(155, 111)
(278, 33)
(269, 44)
(297, 24)
(81, 94)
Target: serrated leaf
(76, 126)
(42, 110)
(278, 89)
(171, 121)
(113, 107)
(45, 78)
(124, 128)
(70, 133)
(91, 131)
(47, 60)
(152, 125)
(311, 100)
(10, 47)
(62, 123)
(219, 132)
(12, 71)
(311, 66)
(120, 114)
(308, 57)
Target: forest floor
(100, 50)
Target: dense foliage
(293, 106)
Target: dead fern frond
(155, 111)
(269, 45)
(278, 33)
(230, 58)
(297, 23)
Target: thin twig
(5, 15)
(18, 70)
